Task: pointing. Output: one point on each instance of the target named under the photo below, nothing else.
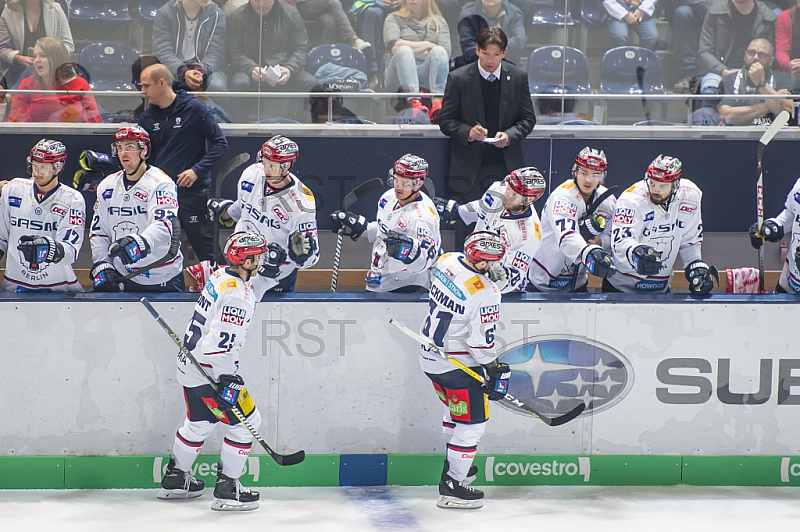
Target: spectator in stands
(636, 15)
(502, 14)
(369, 16)
(687, 21)
(53, 71)
(755, 78)
(189, 37)
(187, 143)
(336, 26)
(22, 23)
(787, 43)
(418, 42)
(263, 34)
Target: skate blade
(225, 505)
(455, 503)
(178, 494)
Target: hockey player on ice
(571, 238)
(656, 220)
(274, 203)
(132, 224)
(506, 208)
(462, 320)
(405, 236)
(215, 336)
(41, 225)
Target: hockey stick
(777, 123)
(590, 211)
(280, 459)
(552, 421)
(360, 191)
(229, 167)
(640, 81)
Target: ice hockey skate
(178, 484)
(457, 495)
(472, 474)
(231, 496)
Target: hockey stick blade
(432, 348)
(368, 187)
(600, 199)
(777, 123)
(280, 459)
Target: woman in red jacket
(787, 42)
(53, 71)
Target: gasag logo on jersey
(521, 261)
(282, 216)
(57, 209)
(247, 186)
(490, 314)
(14, 201)
(624, 216)
(565, 207)
(166, 197)
(555, 373)
(114, 210)
(234, 315)
(650, 216)
(76, 217)
(107, 193)
(448, 283)
(687, 208)
(141, 195)
(501, 466)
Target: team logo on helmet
(411, 166)
(484, 245)
(528, 182)
(592, 159)
(280, 149)
(48, 151)
(243, 245)
(665, 169)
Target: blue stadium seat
(99, 20)
(631, 70)
(593, 13)
(148, 8)
(109, 64)
(553, 16)
(580, 122)
(277, 120)
(338, 54)
(548, 64)
(352, 120)
(100, 10)
(654, 123)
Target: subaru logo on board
(554, 373)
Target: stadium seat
(97, 20)
(579, 122)
(109, 64)
(553, 17)
(557, 70)
(338, 54)
(654, 123)
(352, 120)
(148, 8)
(631, 70)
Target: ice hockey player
(133, 221)
(274, 203)
(506, 208)
(462, 320)
(215, 336)
(405, 236)
(571, 238)
(656, 220)
(41, 225)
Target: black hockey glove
(273, 258)
(129, 249)
(700, 277)
(105, 278)
(645, 260)
(350, 224)
(98, 162)
(496, 383)
(38, 250)
(598, 261)
(448, 210)
(302, 246)
(771, 231)
(401, 247)
(216, 208)
(229, 388)
(591, 226)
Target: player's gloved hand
(700, 277)
(796, 257)
(95, 160)
(302, 245)
(350, 224)
(401, 247)
(40, 249)
(598, 261)
(645, 260)
(273, 258)
(448, 209)
(129, 249)
(591, 226)
(229, 388)
(216, 208)
(105, 278)
(496, 383)
(771, 231)
(497, 272)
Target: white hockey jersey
(418, 220)
(790, 219)
(464, 308)
(672, 232)
(217, 331)
(522, 233)
(554, 263)
(143, 209)
(60, 215)
(275, 215)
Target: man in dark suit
(487, 112)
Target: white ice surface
(507, 509)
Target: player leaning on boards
(572, 236)
(215, 336)
(656, 220)
(506, 208)
(132, 224)
(42, 221)
(773, 230)
(405, 236)
(274, 203)
(464, 308)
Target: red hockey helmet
(411, 167)
(665, 169)
(280, 149)
(136, 133)
(49, 151)
(243, 245)
(484, 245)
(592, 159)
(527, 182)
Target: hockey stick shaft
(280, 459)
(229, 167)
(438, 351)
(337, 257)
